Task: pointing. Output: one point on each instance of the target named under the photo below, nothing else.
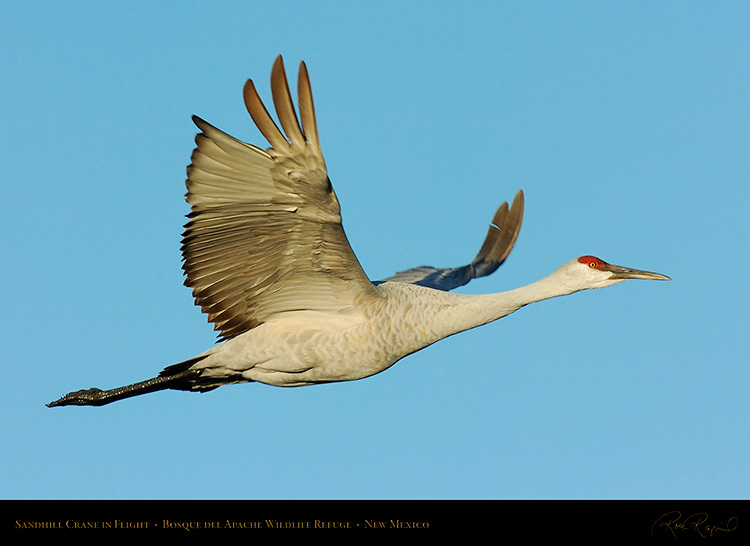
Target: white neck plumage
(469, 311)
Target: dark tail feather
(178, 376)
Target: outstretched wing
(265, 234)
(500, 239)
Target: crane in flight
(267, 259)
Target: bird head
(593, 272)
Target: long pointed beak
(619, 272)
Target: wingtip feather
(503, 232)
(307, 108)
(263, 120)
(282, 99)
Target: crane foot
(86, 397)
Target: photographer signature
(698, 523)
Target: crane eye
(592, 261)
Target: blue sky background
(625, 123)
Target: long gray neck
(470, 311)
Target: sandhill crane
(267, 259)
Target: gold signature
(674, 523)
